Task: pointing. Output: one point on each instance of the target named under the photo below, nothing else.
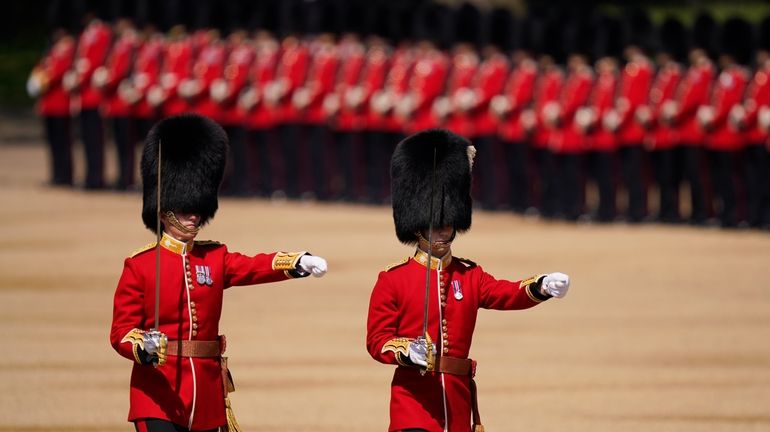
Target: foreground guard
(169, 327)
(423, 310)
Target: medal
(203, 274)
(457, 290)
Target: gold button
(443, 328)
(192, 304)
(195, 332)
(195, 319)
(446, 350)
(443, 321)
(189, 274)
(194, 311)
(192, 287)
(443, 304)
(195, 326)
(443, 297)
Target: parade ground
(665, 328)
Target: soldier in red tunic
(180, 379)
(93, 46)
(45, 83)
(433, 389)
(114, 107)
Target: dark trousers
(58, 133)
(345, 182)
(378, 148)
(156, 425)
(92, 133)
(757, 184)
(569, 184)
(632, 159)
(289, 137)
(692, 158)
(546, 189)
(318, 142)
(261, 162)
(125, 145)
(236, 180)
(485, 170)
(665, 177)
(601, 170)
(724, 186)
(518, 175)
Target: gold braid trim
(232, 424)
(178, 225)
(135, 337)
(397, 345)
(287, 261)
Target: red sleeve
(507, 295)
(492, 86)
(128, 309)
(382, 321)
(245, 270)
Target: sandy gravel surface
(665, 328)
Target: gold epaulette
(466, 261)
(207, 243)
(396, 264)
(148, 246)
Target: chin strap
(178, 225)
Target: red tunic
(186, 391)
(93, 45)
(434, 402)
(567, 137)
(602, 100)
(635, 82)
(321, 78)
(235, 77)
(349, 95)
(662, 135)
(757, 96)
(519, 90)
(548, 89)
(488, 83)
(728, 92)
(694, 91)
(259, 116)
(118, 68)
(291, 73)
(425, 85)
(465, 65)
(177, 66)
(54, 100)
(208, 66)
(380, 117)
(146, 74)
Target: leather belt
(455, 366)
(194, 348)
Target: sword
(156, 327)
(429, 356)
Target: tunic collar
(176, 246)
(422, 257)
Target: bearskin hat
(193, 155)
(411, 170)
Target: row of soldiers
(317, 116)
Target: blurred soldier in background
(178, 57)
(93, 46)
(115, 108)
(145, 74)
(662, 138)
(723, 141)
(753, 118)
(46, 83)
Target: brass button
(443, 328)
(195, 318)
(443, 304)
(195, 332)
(443, 297)
(192, 304)
(195, 326)
(194, 311)
(443, 321)
(446, 350)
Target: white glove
(154, 342)
(312, 264)
(555, 284)
(418, 351)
